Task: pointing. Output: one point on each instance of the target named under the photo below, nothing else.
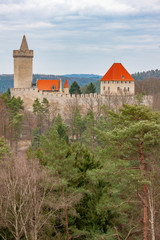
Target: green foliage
(78, 124)
(62, 129)
(75, 88)
(139, 98)
(41, 111)
(35, 139)
(15, 107)
(4, 149)
(100, 175)
(88, 135)
(90, 88)
(135, 131)
(146, 75)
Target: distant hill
(6, 80)
(146, 75)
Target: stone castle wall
(66, 103)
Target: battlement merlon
(20, 53)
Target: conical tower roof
(24, 45)
(66, 84)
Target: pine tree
(35, 139)
(90, 88)
(62, 128)
(135, 134)
(78, 124)
(75, 88)
(15, 107)
(4, 149)
(41, 110)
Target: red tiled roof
(117, 73)
(66, 84)
(47, 85)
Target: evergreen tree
(15, 107)
(90, 88)
(75, 88)
(35, 139)
(134, 135)
(78, 124)
(41, 110)
(88, 136)
(62, 128)
(4, 149)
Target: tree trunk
(152, 211)
(145, 216)
(145, 202)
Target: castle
(117, 85)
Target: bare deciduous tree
(25, 189)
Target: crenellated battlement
(84, 101)
(23, 53)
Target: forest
(6, 80)
(92, 177)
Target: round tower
(23, 66)
(66, 87)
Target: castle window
(121, 81)
(53, 87)
(118, 88)
(122, 77)
(128, 89)
(125, 82)
(117, 81)
(108, 82)
(103, 88)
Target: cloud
(98, 29)
(83, 7)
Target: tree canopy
(75, 88)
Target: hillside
(6, 80)
(146, 75)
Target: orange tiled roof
(47, 85)
(117, 73)
(66, 84)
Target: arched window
(53, 87)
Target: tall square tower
(23, 66)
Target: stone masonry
(23, 70)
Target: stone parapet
(20, 53)
(65, 102)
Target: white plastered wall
(117, 87)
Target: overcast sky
(82, 36)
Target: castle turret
(60, 85)
(66, 87)
(23, 69)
